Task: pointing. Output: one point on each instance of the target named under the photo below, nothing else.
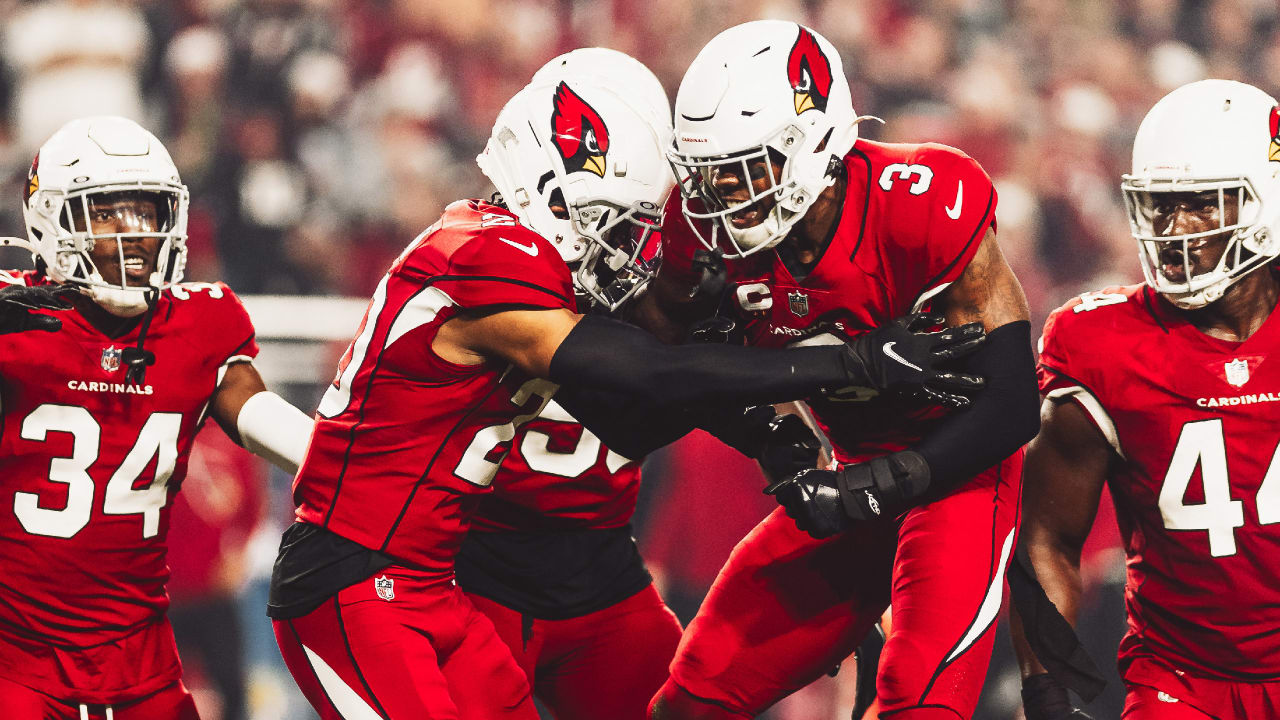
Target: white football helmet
(90, 158)
(635, 83)
(1208, 136)
(766, 90)
(579, 147)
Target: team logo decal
(111, 359)
(33, 179)
(578, 132)
(809, 73)
(1273, 153)
(1237, 372)
(385, 587)
(799, 303)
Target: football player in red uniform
(550, 559)
(465, 340)
(100, 417)
(825, 236)
(1162, 392)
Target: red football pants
(1156, 691)
(607, 664)
(22, 703)
(787, 608)
(401, 645)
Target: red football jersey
(88, 462)
(405, 442)
(1194, 422)
(560, 476)
(913, 218)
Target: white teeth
(134, 263)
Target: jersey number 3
(157, 439)
(1203, 443)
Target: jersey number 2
(1203, 443)
(158, 438)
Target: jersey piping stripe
(512, 281)
(341, 696)
(1088, 400)
(866, 201)
(1147, 300)
(439, 449)
(982, 224)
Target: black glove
(789, 447)
(825, 502)
(902, 357)
(18, 301)
(812, 499)
(1044, 699)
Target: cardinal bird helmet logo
(578, 132)
(1273, 153)
(809, 73)
(33, 179)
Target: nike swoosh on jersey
(531, 249)
(888, 350)
(954, 213)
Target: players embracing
(1165, 392)
(825, 236)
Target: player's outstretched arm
(261, 421)
(1063, 473)
(1000, 419)
(596, 352)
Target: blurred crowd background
(319, 136)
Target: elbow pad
(273, 429)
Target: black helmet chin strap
(136, 357)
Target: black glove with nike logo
(18, 301)
(904, 357)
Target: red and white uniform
(550, 560)
(1195, 422)
(88, 465)
(786, 608)
(405, 446)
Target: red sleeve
(1054, 370)
(508, 265)
(679, 243)
(224, 323)
(942, 221)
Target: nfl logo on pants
(385, 587)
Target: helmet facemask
(1248, 242)
(623, 251)
(778, 158)
(65, 227)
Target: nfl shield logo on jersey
(385, 587)
(799, 303)
(1237, 372)
(111, 359)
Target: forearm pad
(611, 355)
(1001, 419)
(273, 429)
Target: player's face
(121, 261)
(734, 183)
(1186, 213)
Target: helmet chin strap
(136, 357)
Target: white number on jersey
(158, 437)
(1203, 443)
(480, 461)
(1094, 300)
(902, 171)
(583, 457)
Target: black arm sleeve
(611, 355)
(1003, 417)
